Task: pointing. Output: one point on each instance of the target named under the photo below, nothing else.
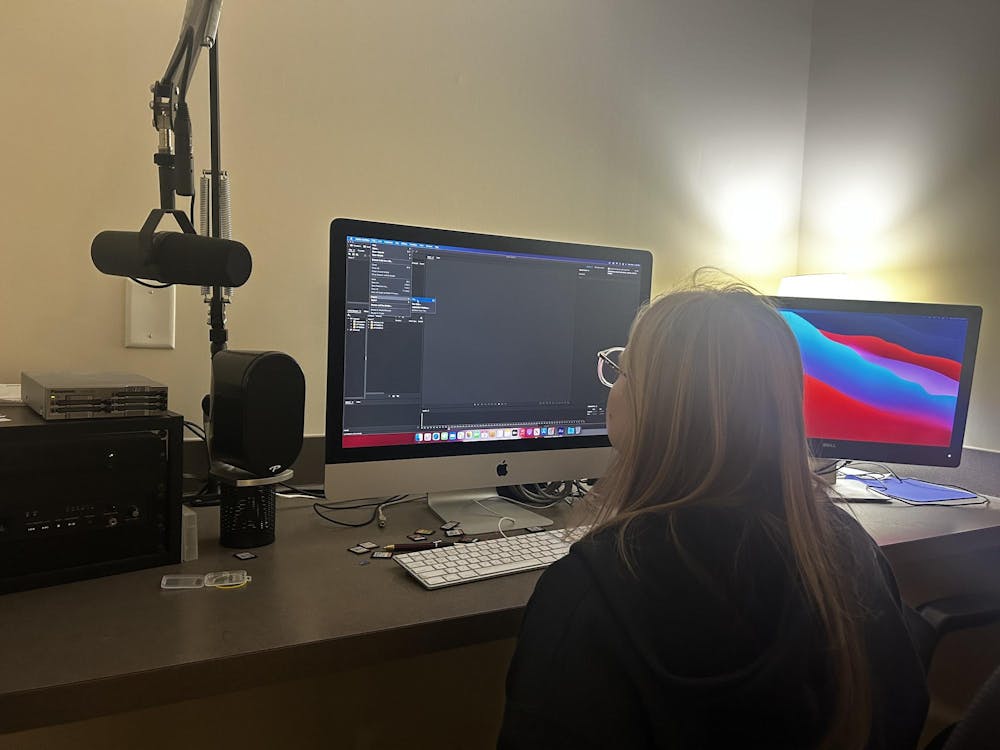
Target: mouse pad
(916, 490)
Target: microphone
(173, 258)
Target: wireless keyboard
(475, 561)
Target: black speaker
(257, 410)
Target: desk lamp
(254, 414)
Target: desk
(909, 534)
(120, 643)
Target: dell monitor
(460, 362)
(885, 381)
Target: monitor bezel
(899, 453)
(342, 228)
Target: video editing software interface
(879, 377)
(457, 345)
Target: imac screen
(447, 346)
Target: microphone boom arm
(171, 119)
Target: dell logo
(829, 445)
(502, 469)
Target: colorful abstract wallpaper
(878, 377)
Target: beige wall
(670, 125)
(901, 182)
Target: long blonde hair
(714, 393)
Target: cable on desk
(378, 512)
(199, 499)
(301, 491)
(295, 494)
(831, 468)
(544, 495)
(871, 475)
(202, 498)
(532, 506)
(500, 516)
(317, 494)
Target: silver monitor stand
(480, 511)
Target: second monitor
(885, 381)
(458, 362)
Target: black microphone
(173, 258)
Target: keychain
(222, 579)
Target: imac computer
(461, 362)
(885, 381)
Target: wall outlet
(149, 316)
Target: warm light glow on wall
(853, 223)
(852, 220)
(755, 219)
(752, 213)
(824, 285)
(832, 286)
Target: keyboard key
(494, 569)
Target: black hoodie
(706, 645)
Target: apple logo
(502, 469)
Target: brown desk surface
(118, 643)
(909, 533)
(97, 646)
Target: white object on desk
(189, 534)
(850, 489)
(475, 561)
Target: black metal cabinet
(81, 499)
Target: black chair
(979, 729)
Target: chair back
(923, 635)
(980, 728)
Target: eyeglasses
(609, 365)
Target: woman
(719, 600)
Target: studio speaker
(257, 410)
